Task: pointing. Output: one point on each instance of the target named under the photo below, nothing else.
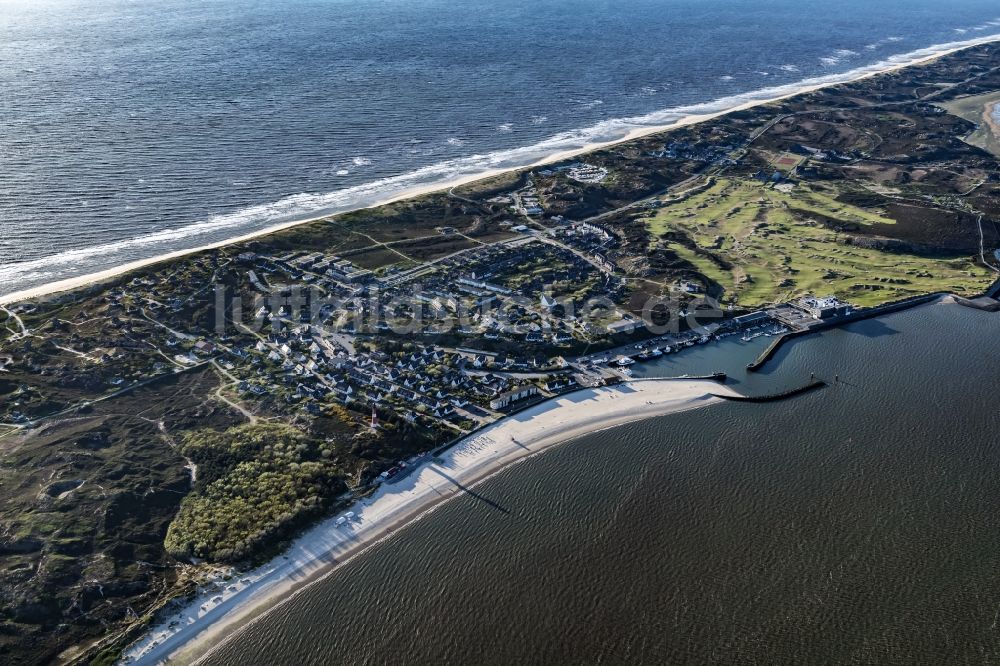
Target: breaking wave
(15, 276)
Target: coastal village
(298, 359)
(209, 408)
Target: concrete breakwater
(774, 397)
(858, 315)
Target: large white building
(506, 399)
(824, 308)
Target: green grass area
(778, 252)
(705, 266)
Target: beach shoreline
(188, 635)
(92, 279)
(991, 116)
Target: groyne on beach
(452, 471)
(211, 618)
(775, 397)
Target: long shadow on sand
(469, 491)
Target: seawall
(859, 315)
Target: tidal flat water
(858, 524)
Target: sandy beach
(991, 116)
(218, 613)
(854, 75)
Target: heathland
(171, 425)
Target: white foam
(309, 205)
(837, 57)
(883, 42)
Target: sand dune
(101, 276)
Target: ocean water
(130, 129)
(857, 524)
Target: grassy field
(778, 249)
(973, 109)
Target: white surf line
(324, 206)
